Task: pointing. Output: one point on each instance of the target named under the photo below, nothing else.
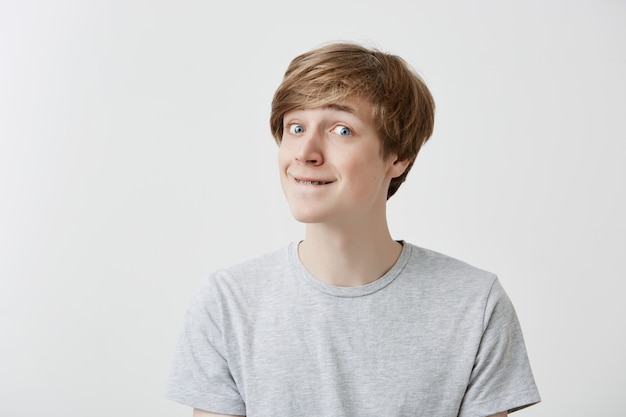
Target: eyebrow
(340, 107)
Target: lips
(311, 181)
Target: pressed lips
(311, 180)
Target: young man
(349, 322)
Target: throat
(349, 266)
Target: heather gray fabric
(433, 337)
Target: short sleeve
(200, 376)
(501, 378)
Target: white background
(135, 157)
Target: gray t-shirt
(433, 337)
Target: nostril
(309, 159)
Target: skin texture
(339, 146)
(346, 225)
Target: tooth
(311, 182)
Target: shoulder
(460, 286)
(261, 267)
(447, 285)
(252, 276)
(443, 269)
(269, 261)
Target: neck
(348, 256)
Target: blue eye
(296, 129)
(342, 131)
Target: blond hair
(403, 108)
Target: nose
(310, 150)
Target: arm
(502, 414)
(201, 413)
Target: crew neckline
(349, 292)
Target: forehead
(359, 108)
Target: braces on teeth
(312, 182)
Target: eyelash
(294, 127)
(341, 127)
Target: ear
(397, 167)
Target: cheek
(361, 172)
(368, 176)
(282, 156)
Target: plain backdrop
(135, 158)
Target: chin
(303, 215)
(306, 218)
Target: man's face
(330, 163)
